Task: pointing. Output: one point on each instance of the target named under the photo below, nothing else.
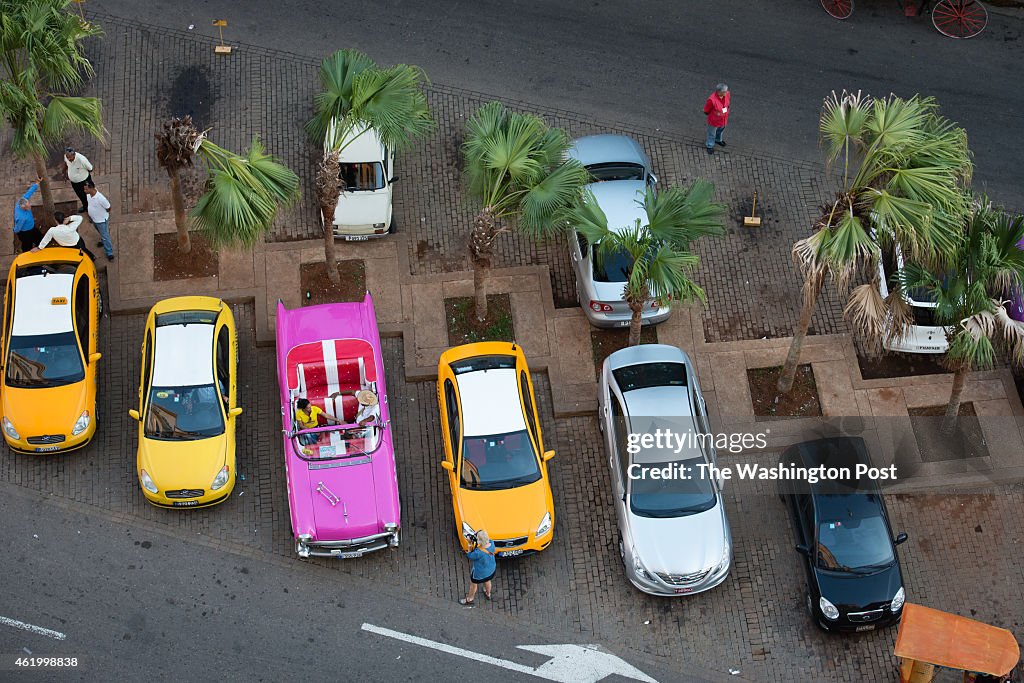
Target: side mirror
(652, 179)
(802, 549)
(548, 455)
(901, 538)
(134, 414)
(394, 180)
(446, 465)
(93, 357)
(235, 412)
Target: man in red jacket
(717, 109)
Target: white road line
(38, 630)
(450, 649)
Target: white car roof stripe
(490, 402)
(179, 358)
(34, 310)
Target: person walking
(78, 170)
(99, 214)
(24, 221)
(65, 234)
(717, 110)
(481, 557)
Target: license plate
(683, 590)
(510, 553)
(350, 554)
(47, 449)
(866, 627)
(356, 238)
(185, 503)
(622, 323)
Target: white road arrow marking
(568, 664)
(38, 630)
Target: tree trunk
(178, 202)
(481, 268)
(953, 407)
(44, 186)
(635, 323)
(812, 289)
(481, 248)
(330, 255)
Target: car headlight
(10, 430)
(147, 482)
(221, 478)
(726, 556)
(639, 568)
(828, 609)
(545, 525)
(81, 424)
(897, 602)
(467, 530)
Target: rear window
(483, 363)
(186, 318)
(615, 171)
(611, 266)
(62, 268)
(924, 317)
(648, 375)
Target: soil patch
(464, 328)
(967, 441)
(192, 95)
(604, 343)
(889, 365)
(801, 401)
(317, 287)
(171, 264)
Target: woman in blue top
(481, 556)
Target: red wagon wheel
(840, 9)
(959, 18)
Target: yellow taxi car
(187, 403)
(50, 337)
(493, 451)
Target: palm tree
(358, 96)
(41, 60)
(243, 192)
(969, 296)
(659, 252)
(518, 175)
(904, 170)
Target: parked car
(364, 186)
(924, 335)
(493, 450)
(50, 338)
(843, 534)
(620, 173)
(188, 403)
(343, 484)
(674, 537)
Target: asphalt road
(654, 62)
(132, 599)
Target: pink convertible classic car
(342, 483)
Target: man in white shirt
(65, 234)
(99, 214)
(78, 170)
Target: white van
(364, 186)
(923, 336)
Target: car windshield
(192, 412)
(616, 171)
(646, 375)
(362, 176)
(854, 544)
(611, 266)
(501, 461)
(44, 360)
(340, 442)
(669, 497)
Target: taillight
(600, 307)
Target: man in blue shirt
(24, 223)
(481, 556)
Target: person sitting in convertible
(306, 416)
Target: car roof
(177, 357)
(490, 402)
(34, 309)
(607, 148)
(621, 201)
(365, 147)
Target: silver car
(674, 537)
(621, 173)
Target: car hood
(363, 208)
(342, 500)
(63, 406)
(509, 513)
(174, 465)
(681, 545)
(856, 592)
